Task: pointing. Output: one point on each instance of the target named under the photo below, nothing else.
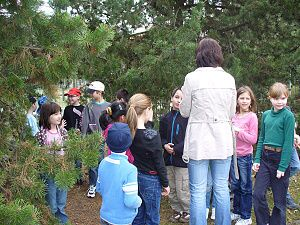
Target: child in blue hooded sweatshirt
(117, 179)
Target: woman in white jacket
(209, 100)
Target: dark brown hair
(123, 93)
(174, 91)
(47, 110)
(112, 114)
(242, 90)
(209, 53)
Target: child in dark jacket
(147, 152)
(172, 131)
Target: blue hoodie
(117, 183)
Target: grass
(293, 216)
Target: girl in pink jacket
(245, 125)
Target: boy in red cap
(73, 112)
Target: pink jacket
(247, 136)
(128, 152)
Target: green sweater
(277, 130)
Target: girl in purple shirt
(245, 125)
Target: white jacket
(209, 100)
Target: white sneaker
(92, 191)
(207, 211)
(213, 213)
(234, 216)
(244, 222)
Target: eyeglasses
(72, 96)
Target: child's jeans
(242, 187)
(150, 193)
(57, 199)
(295, 168)
(266, 177)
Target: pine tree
(36, 53)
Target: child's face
(244, 102)
(73, 99)
(55, 118)
(279, 103)
(176, 99)
(96, 95)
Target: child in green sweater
(272, 159)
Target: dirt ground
(81, 209)
(85, 211)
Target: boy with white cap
(117, 180)
(90, 123)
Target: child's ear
(122, 119)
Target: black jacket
(173, 120)
(73, 116)
(146, 150)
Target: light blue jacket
(117, 183)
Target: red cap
(73, 91)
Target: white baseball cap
(96, 86)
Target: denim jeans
(57, 199)
(198, 170)
(242, 187)
(266, 177)
(209, 191)
(295, 168)
(93, 172)
(295, 163)
(93, 176)
(150, 192)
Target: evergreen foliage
(37, 52)
(99, 40)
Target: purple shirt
(247, 136)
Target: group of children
(135, 173)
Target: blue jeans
(57, 199)
(93, 176)
(198, 170)
(93, 172)
(242, 188)
(209, 191)
(150, 192)
(295, 163)
(266, 177)
(295, 168)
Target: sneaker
(175, 217)
(234, 216)
(185, 217)
(92, 191)
(213, 213)
(244, 221)
(207, 211)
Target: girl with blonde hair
(147, 152)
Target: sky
(46, 8)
